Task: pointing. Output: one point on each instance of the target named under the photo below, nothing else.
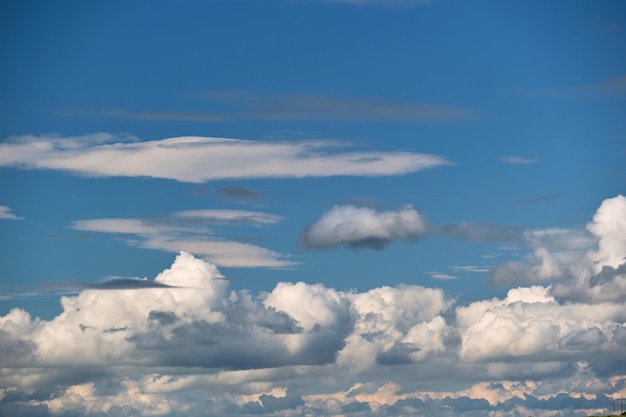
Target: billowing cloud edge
(363, 227)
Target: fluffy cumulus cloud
(189, 344)
(582, 265)
(530, 322)
(200, 159)
(363, 227)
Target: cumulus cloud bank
(363, 227)
(200, 159)
(188, 344)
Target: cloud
(470, 268)
(294, 350)
(191, 230)
(303, 106)
(189, 344)
(117, 283)
(200, 159)
(229, 216)
(530, 321)
(519, 160)
(7, 213)
(583, 265)
(482, 232)
(441, 276)
(363, 227)
(306, 106)
(239, 194)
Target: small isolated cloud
(7, 213)
(229, 216)
(363, 227)
(471, 268)
(239, 194)
(200, 159)
(192, 231)
(441, 276)
(519, 160)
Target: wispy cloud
(470, 268)
(151, 115)
(482, 232)
(308, 106)
(239, 194)
(7, 213)
(192, 231)
(518, 160)
(441, 276)
(200, 159)
(112, 283)
(243, 105)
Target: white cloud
(441, 276)
(198, 347)
(7, 213)
(363, 227)
(200, 159)
(150, 351)
(236, 216)
(583, 265)
(529, 321)
(472, 268)
(609, 226)
(190, 231)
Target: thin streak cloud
(192, 231)
(307, 106)
(7, 213)
(296, 106)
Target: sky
(312, 208)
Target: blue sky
(446, 157)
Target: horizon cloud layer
(146, 350)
